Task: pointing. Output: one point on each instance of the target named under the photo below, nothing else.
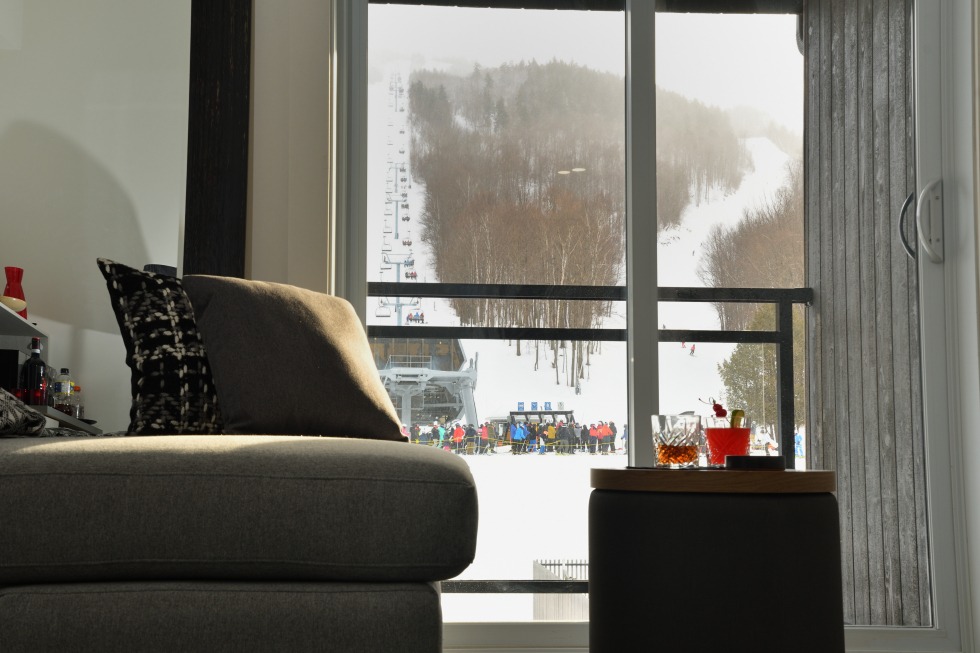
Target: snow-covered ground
(535, 506)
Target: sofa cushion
(234, 508)
(217, 617)
(172, 388)
(288, 360)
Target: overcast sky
(724, 61)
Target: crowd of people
(600, 438)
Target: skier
(692, 349)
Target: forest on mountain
(524, 181)
(522, 167)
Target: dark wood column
(217, 137)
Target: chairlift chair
(406, 218)
(382, 311)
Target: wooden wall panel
(865, 389)
(217, 137)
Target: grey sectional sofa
(228, 543)
(197, 531)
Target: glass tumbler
(676, 440)
(723, 440)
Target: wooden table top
(714, 480)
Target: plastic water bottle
(63, 391)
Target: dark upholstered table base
(677, 572)
(217, 617)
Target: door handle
(901, 225)
(931, 235)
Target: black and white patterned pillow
(16, 418)
(173, 392)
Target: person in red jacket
(484, 438)
(605, 438)
(458, 439)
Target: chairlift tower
(398, 303)
(418, 386)
(397, 182)
(398, 196)
(398, 168)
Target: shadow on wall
(62, 209)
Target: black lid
(772, 463)
(64, 370)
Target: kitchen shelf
(15, 333)
(66, 420)
(14, 325)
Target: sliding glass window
(498, 256)
(496, 264)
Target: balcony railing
(782, 337)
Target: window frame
(945, 483)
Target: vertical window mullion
(349, 209)
(641, 229)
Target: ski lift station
(428, 380)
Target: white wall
(93, 138)
(289, 140)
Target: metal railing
(408, 360)
(782, 337)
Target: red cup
(726, 442)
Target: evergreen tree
(750, 374)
